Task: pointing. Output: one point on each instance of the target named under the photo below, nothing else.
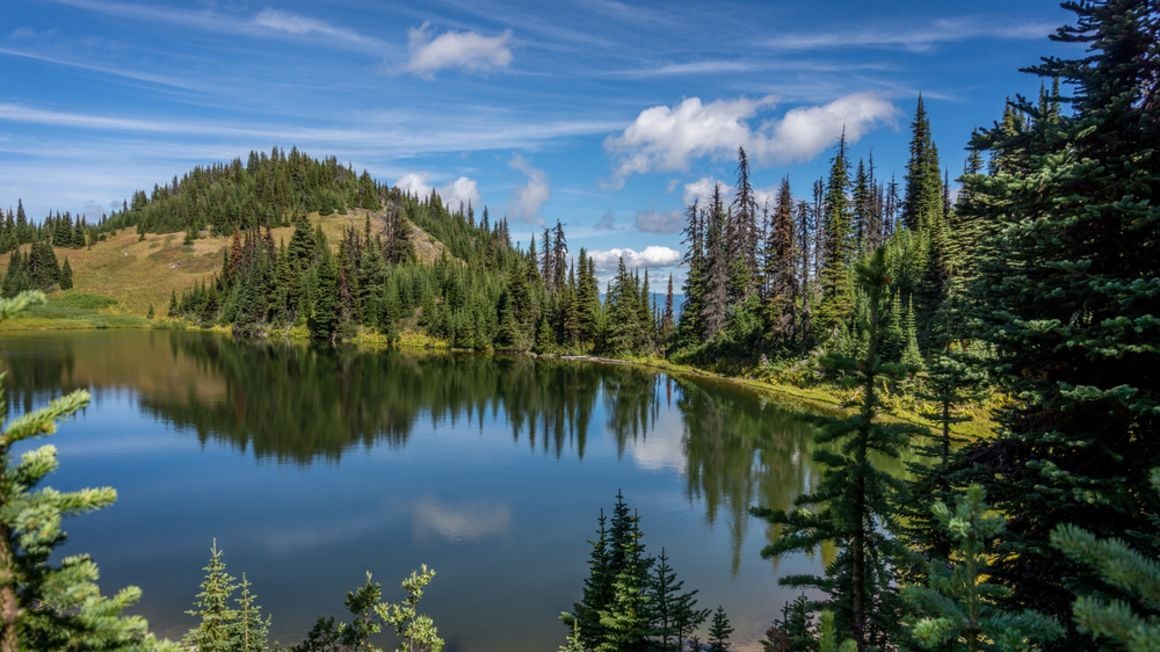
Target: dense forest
(1038, 284)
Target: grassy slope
(133, 274)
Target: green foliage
(957, 607)
(414, 631)
(630, 601)
(1125, 572)
(719, 631)
(854, 498)
(1067, 297)
(47, 603)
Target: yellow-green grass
(829, 398)
(138, 273)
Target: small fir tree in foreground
(49, 603)
(957, 608)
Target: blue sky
(606, 115)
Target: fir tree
(66, 275)
(1070, 313)
(213, 607)
(956, 608)
(1124, 571)
(675, 613)
(719, 631)
(837, 287)
(855, 498)
(325, 318)
(48, 602)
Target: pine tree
(854, 498)
(956, 608)
(1070, 311)
(719, 631)
(716, 289)
(48, 602)
(324, 321)
(781, 263)
(66, 276)
(837, 283)
(675, 613)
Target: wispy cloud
(277, 20)
(267, 23)
(415, 132)
(913, 38)
(164, 80)
(469, 51)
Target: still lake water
(311, 467)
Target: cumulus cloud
(658, 221)
(462, 189)
(607, 222)
(470, 51)
(701, 191)
(651, 256)
(532, 195)
(666, 138)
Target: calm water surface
(312, 467)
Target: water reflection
(412, 457)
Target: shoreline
(815, 399)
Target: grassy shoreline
(79, 311)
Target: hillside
(136, 273)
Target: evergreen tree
(213, 607)
(325, 318)
(715, 295)
(719, 631)
(956, 609)
(66, 276)
(837, 283)
(855, 498)
(48, 602)
(675, 613)
(781, 269)
(252, 630)
(1070, 312)
(1122, 570)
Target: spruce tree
(674, 612)
(325, 318)
(1070, 309)
(781, 264)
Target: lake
(311, 467)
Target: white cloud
(658, 221)
(666, 138)
(277, 20)
(459, 523)
(470, 51)
(529, 198)
(701, 191)
(651, 256)
(462, 189)
(414, 183)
